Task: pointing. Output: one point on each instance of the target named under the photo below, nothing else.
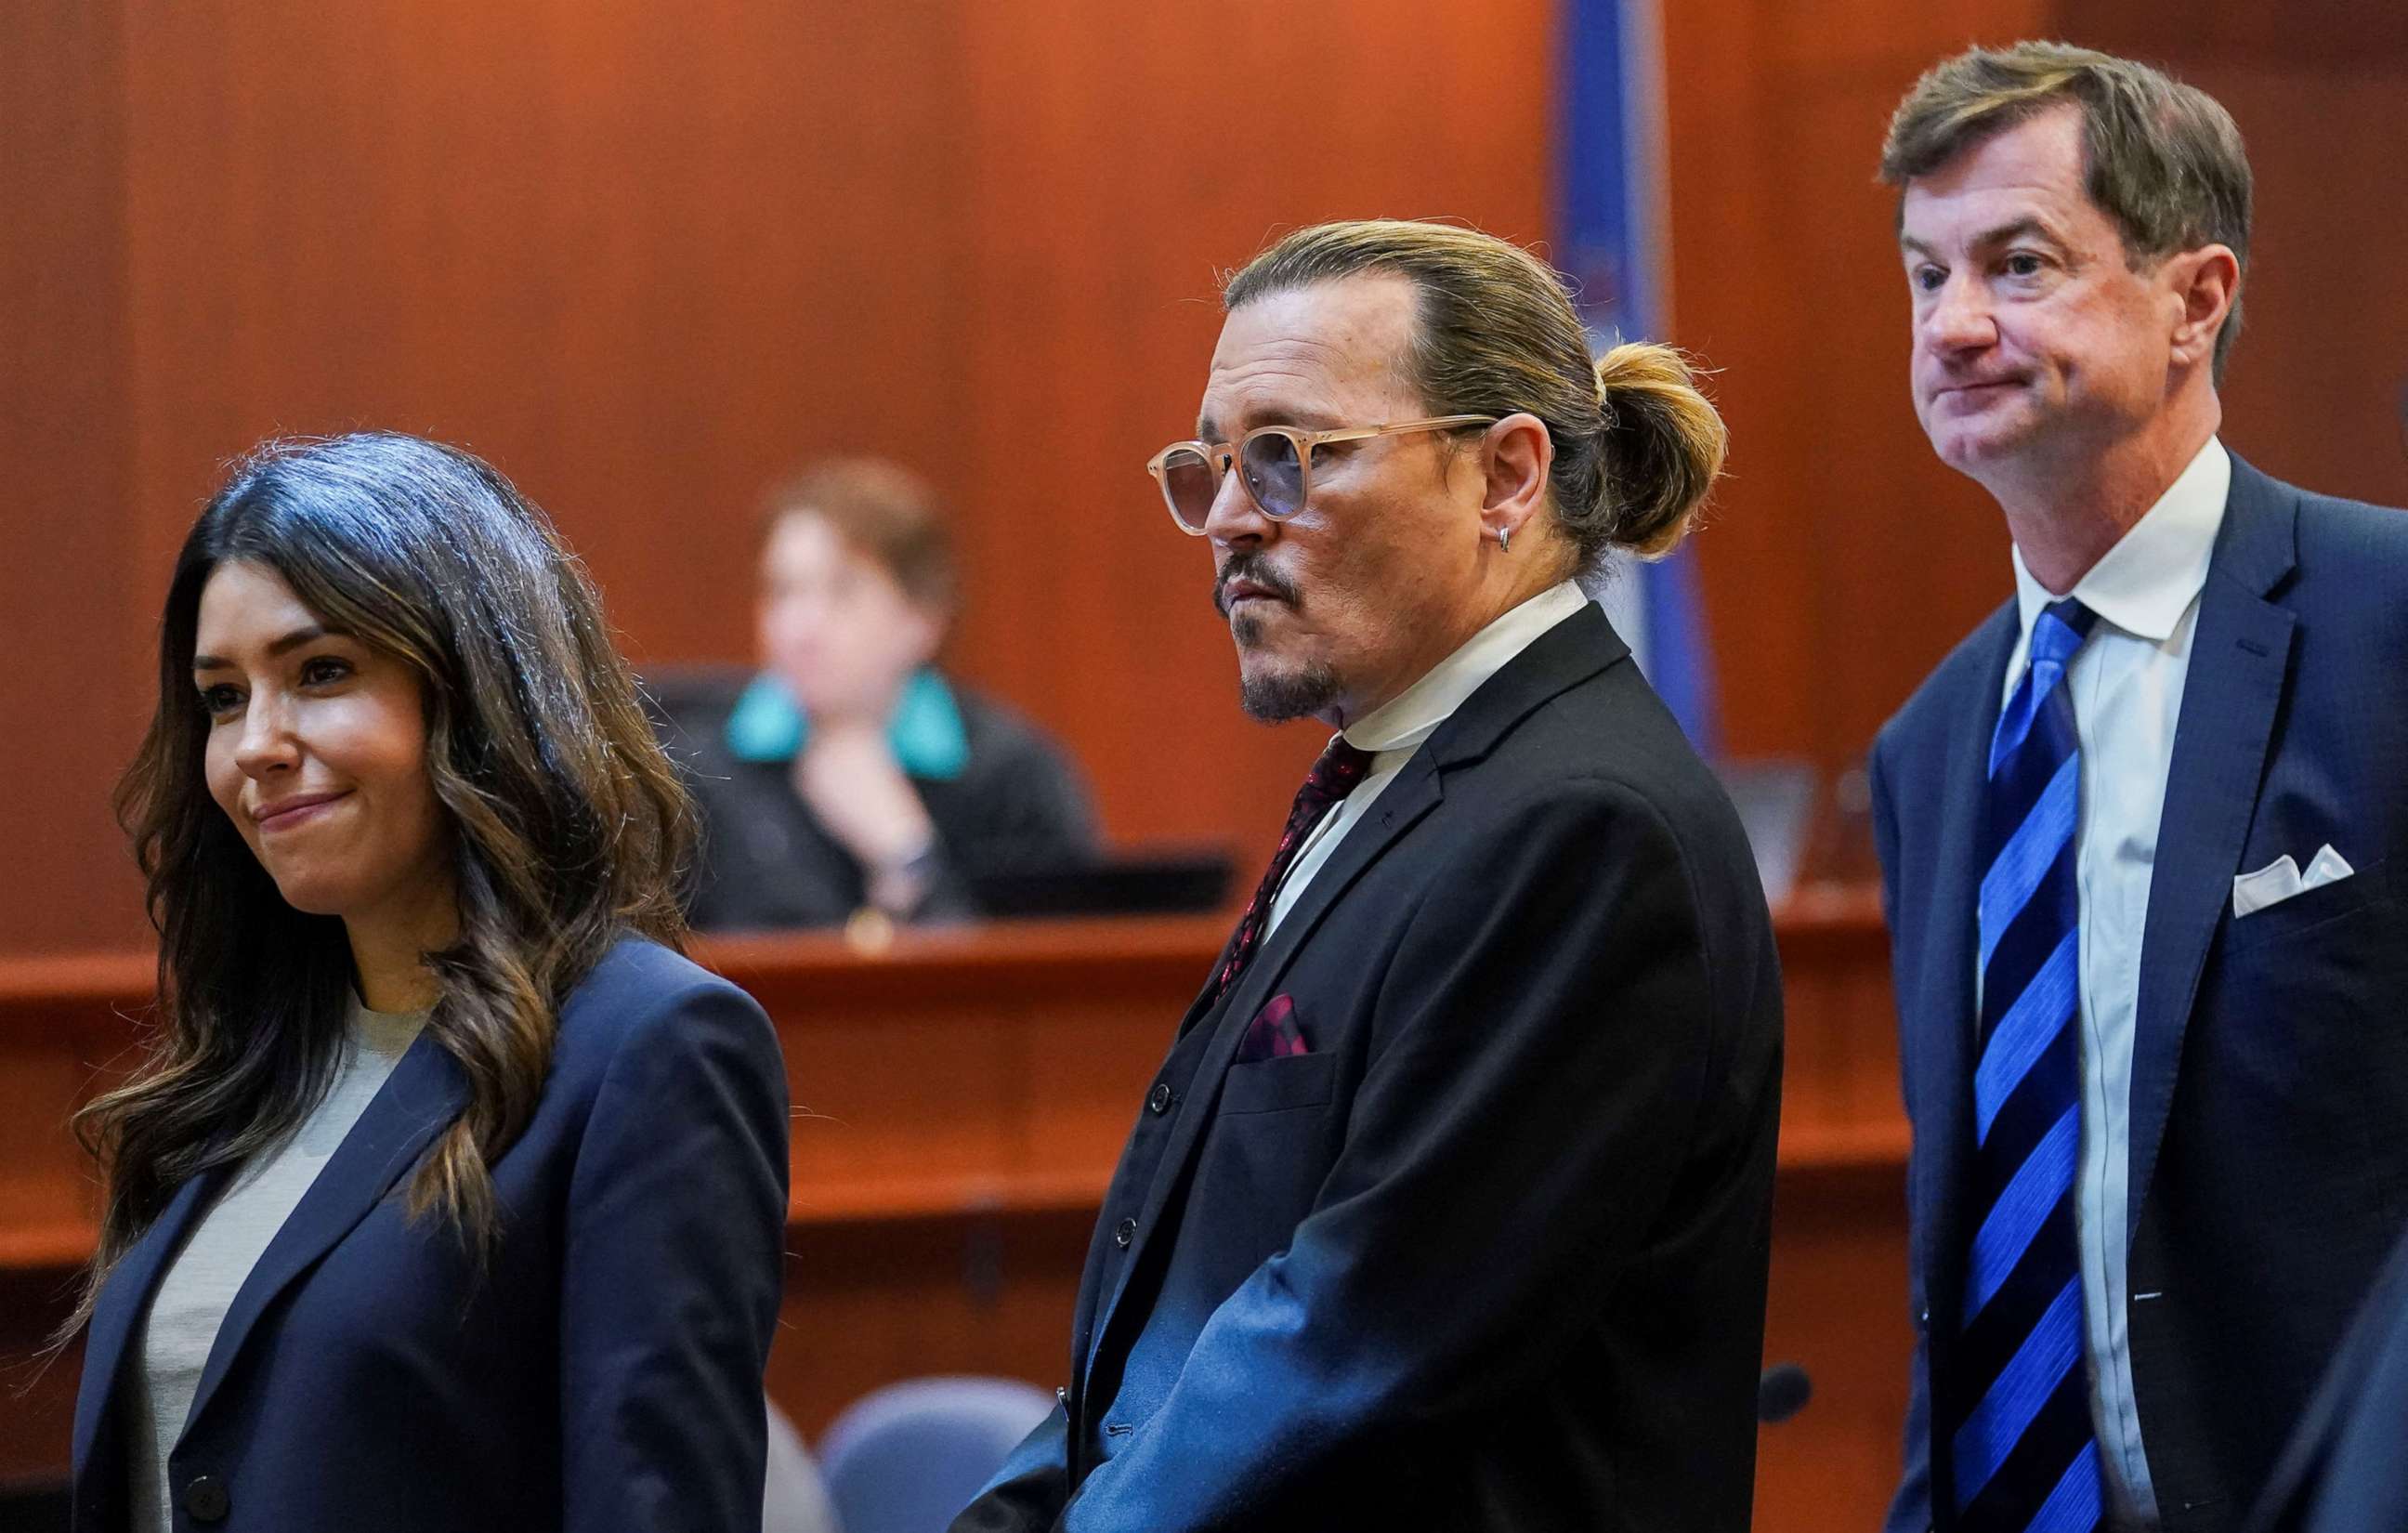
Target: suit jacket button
(1061, 1397)
(1159, 1103)
(206, 1500)
(1124, 1232)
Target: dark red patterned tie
(1332, 777)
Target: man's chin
(1272, 693)
(1973, 447)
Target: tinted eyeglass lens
(1187, 483)
(1273, 472)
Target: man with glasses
(1450, 1206)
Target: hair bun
(1664, 445)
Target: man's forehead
(1320, 348)
(2034, 169)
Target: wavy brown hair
(568, 825)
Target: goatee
(1277, 697)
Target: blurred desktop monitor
(1116, 884)
(1777, 799)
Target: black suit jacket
(1493, 1255)
(603, 1371)
(2269, 1175)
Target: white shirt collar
(2149, 579)
(1412, 715)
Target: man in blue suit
(2142, 834)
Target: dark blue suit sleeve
(1545, 1063)
(676, 1228)
(1909, 1510)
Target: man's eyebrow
(285, 645)
(2022, 228)
(2003, 233)
(1209, 430)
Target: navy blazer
(2269, 1074)
(1492, 1256)
(604, 1373)
(2344, 1471)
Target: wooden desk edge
(797, 974)
(931, 961)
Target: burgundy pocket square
(1273, 1034)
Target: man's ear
(2207, 281)
(1517, 457)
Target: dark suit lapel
(2240, 660)
(124, 1299)
(423, 1095)
(1943, 999)
(1414, 793)
(1575, 649)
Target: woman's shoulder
(641, 989)
(635, 965)
(999, 733)
(1022, 798)
(656, 1056)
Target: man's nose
(1959, 317)
(1234, 516)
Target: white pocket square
(2281, 879)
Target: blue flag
(1612, 243)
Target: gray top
(200, 1283)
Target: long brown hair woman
(450, 1195)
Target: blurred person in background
(2143, 834)
(448, 1194)
(850, 773)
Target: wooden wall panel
(73, 664)
(1842, 560)
(2320, 379)
(647, 259)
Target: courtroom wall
(647, 258)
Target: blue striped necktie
(2017, 1400)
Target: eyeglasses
(1274, 463)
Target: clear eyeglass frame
(1219, 457)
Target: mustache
(1255, 568)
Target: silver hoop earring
(1504, 540)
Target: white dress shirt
(2127, 684)
(1395, 729)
